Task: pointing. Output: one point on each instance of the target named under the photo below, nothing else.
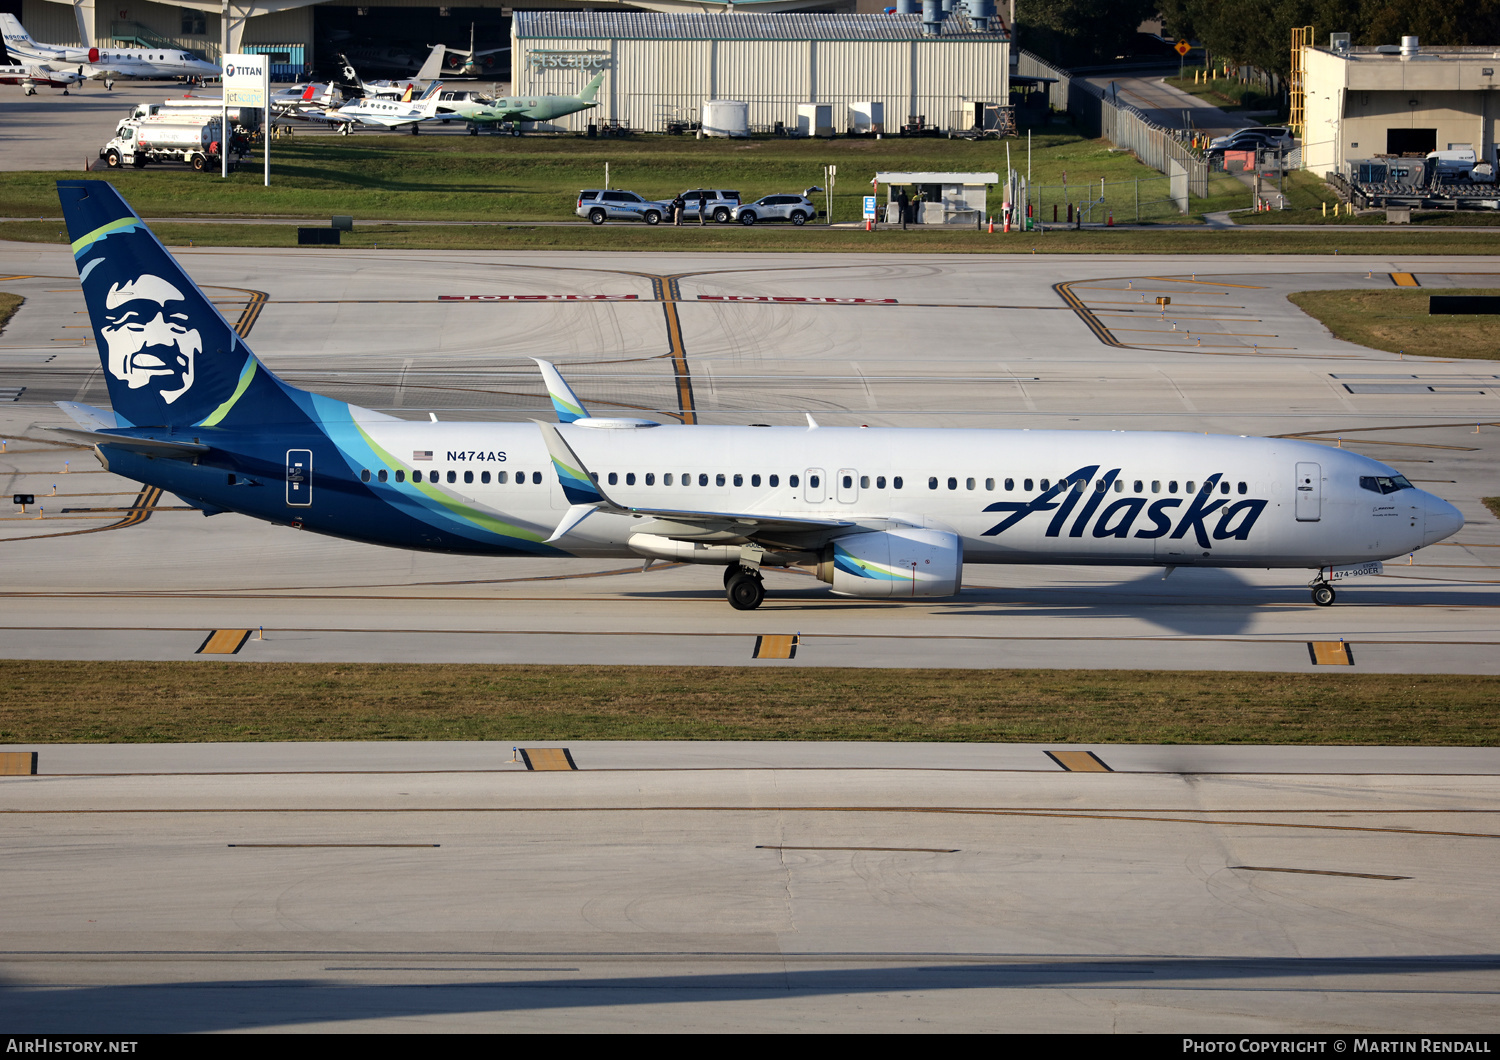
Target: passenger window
(614, 479)
(484, 476)
(687, 479)
(880, 482)
(536, 478)
(381, 475)
(932, 482)
(1224, 487)
(1242, 488)
(1139, 486)
(1190, 488)
(416, 476)
(703, 480)
(896, 482)
(989, 484)
(400, 476)
(813, 481)
(1027, 485)
(453, 476)
(630, 478)
(791, 480)
(1156, 485)
(1172, 486)
(1010, 484)
(968, 483)
(503, 477)
(468, 476)
(739, 480)
(651, 478)
(773, 481)
(719, 479)
(1100, 485)
(364, 476)
(1045, 485)
(755, 480)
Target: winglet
(575, 515)
(812, 424)
(578, 485)
(564, 401)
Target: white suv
(797, 209)
(600, 206)
(714, 203)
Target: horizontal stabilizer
(148, 446)
(87, 416)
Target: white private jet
(386, 113)
(470, 62)
(431, 70)
(890, 513)
(105, 64)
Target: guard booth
(958, 200)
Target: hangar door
(1400, 142)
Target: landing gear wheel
(745, 591)
(1323, 594)
(730, 572)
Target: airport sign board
(247, 80)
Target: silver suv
(714, 203)
(600, 206)
(797, 209)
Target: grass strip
(1397, 320)
(1493, 504)
(9, 303)
(785, 239)
(185, 702)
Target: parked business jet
(482, 110)
(473, 62)
(888, 513)
(106, 64)
(40, 75)
(431, 70)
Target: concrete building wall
(648, 82)
(1354, 104)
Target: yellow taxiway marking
(547, 758)
(1079, 761)
(18, 764)
(1404, 279)
(224, 642)
(1330, 653)
(776, 646)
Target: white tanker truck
(193, 139)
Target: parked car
(600, 206)
(1256, 137)
(716, 204)
(797, 209)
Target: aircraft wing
(585, 495)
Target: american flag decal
(422, 454)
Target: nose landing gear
(1322, 593)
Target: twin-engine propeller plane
(887, 513)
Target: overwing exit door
(299, 478)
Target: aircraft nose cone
(1442, 520)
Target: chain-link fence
(1129, 201)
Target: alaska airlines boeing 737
(889, 513)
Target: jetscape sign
(1233, 523)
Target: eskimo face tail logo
(150, 341)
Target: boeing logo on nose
(1118, 518)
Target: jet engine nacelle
(895, 563)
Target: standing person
(702, 208)
(904, 203)
(678, 205)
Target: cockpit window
(1384, 483)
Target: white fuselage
(1134, 498)
(111, 63)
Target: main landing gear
(744, 587)
(1322, 593)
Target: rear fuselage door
(1309, 493)
(299, 478)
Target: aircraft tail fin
(406, 96)
(169, 357)
(432, 69)
(13, 32)
(591, 90)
